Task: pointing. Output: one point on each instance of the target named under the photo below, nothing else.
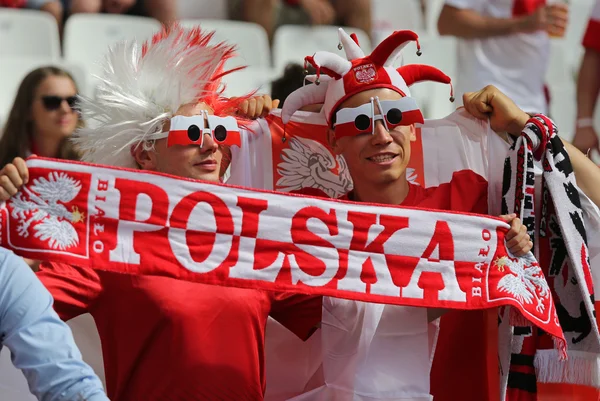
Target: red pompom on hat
(338, 79)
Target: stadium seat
(26, 33)
(205, 9)
(247, 80)
(439, 52)
(251, 40)
(292, 43)
(14, 69)
(88, 37)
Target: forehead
(56, 85)
(193, 109)
(189, 110)
(365, 97)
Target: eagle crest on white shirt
(41, 204)
(526, 282)
(309, 164)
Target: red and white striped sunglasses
(361, 119)
(191, 130)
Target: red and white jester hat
(345, 78)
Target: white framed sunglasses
(361, 119)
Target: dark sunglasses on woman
(54, 102)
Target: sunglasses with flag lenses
(54, 102)
(360, 120)
(191, 130)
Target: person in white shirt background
(588, 87)
(505, 43)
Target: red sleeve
(466, 192)
(299, 313)
(13, 3)
(591, 39)
(74, 289)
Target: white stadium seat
(247, 80)
(439, 52)
(251, 40)
(292, 43)
(88, 37)
(28, 33)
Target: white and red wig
(143, 86)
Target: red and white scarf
(134, 222)
(561, 243)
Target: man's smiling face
(378, 157)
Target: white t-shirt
(373, 352)
(516, 64)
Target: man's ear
(333, 143)
(413, 133)
(145, 156)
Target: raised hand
(12, 177)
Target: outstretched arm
(459, 18)
(505, 116)
(469, 24)
(42, 346)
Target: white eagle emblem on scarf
(38, 205)
(526, 282)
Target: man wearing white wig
(159, 109)
(382, 352)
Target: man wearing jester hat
(371, 117)
(159, 108)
